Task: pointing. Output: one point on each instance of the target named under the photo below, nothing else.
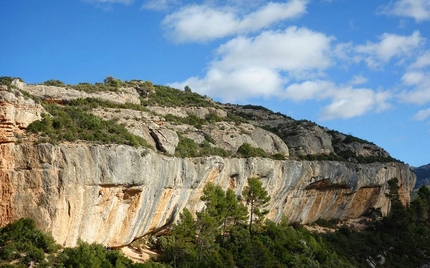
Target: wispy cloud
(345, 102)
(422, 115)
(416, 81)
(417, 9)
(375, 54)
(159, 5)
(260, 66)
(292, 64)
(201, 23)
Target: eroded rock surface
(123, 95)
(16, 113)
(111, 194)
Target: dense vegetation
(22, 245)
(68, 123)
(7, 80)
(171, 97)
(225, 235)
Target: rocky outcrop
(165, 139)
(163, 135)
(112, 194)
(52, 93)
(16, 113)
(305, 138)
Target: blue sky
(360, 67)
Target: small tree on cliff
(257, 199)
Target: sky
(359, 67)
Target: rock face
(16, 113)
(125, 95)
(112, 194)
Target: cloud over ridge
(202, 23)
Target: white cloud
(308, 90)
(422, 115)
(390, 45)
(200, 23)
(417, 81)
(259, 67)
(358, 80)
(293, 50)
(235, 85)
(273, 64)
(413, 78)
(417, 9)
(422, 61)
(345, 102)
(350, 102)
(420, 91)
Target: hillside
(171, 119)
(423, 175)
(114, 161)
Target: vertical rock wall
(112, 194)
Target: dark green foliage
(224, 207)
(70, 124)
(351, 139)
(112, 82)
(188, 148)
(54, 82)
(22, 241)
(171, 97)
(278, 156)
(109, 84)
(193, 119)
(91, 255)
(92, 88)
(7, 80)
(402, 237)
(257, 199)
(246, 150)
(88, 104)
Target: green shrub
(54, 82)
(7, 80)
(246, 150)
(189, 148)
(171, 97)
(69, 123)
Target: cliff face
(112, 194)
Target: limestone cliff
(112, 194)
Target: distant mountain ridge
(423, 175)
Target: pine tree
(257, 199)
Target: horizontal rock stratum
(113, 194)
